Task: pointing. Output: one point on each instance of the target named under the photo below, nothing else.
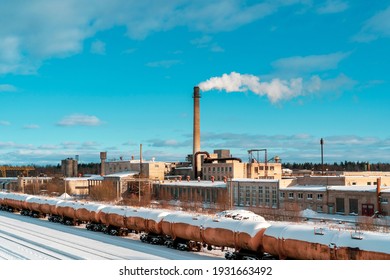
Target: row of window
(291, 195)
(218, 169)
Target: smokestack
(196, 134)
(103, 157)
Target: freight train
(242, 234)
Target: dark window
(340, 205)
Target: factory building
(199, 194)
(363, 200)
(8, 183)
(36, 184)
(235, 169)
(345, 179)
(255, 193)
(152, 170)
(69, 167)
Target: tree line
(339, 166)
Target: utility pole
(140, 173)
(322, 155)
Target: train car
(245, 236)
(66, 210)
(113, 219)
(33, 207)
(307, 242)
(148, 222)
(49, 206)
(15, 201)
(2, 205)
(184, 230)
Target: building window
(353, 183)
(260, 196)
(271, 168)
(291, 195)
(319, 209)
(282, 195)
(274, 200)
(309, 196)
(267, 196)
(300, 195)
(384, 200)
(319, 196)
(369, 183)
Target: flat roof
(255, 180)
(195, 183)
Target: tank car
(306, 242)
(148, 222)
(113, 220)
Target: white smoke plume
(276, 90)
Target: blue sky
(77, 79)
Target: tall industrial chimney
(196, 134)
(103, 157)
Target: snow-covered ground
(26, 238)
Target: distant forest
(339, 166)
(94, 168)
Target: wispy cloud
(31, 126)
(163, 63)
(98, 47)
(333, 7)
(375, 27)
(7, 87)
(80, 120)
(5, 123)
(310, 63)
(22, 51)
(169, 143)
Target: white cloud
(7, 88)
(98, 47)
(32, 31)
(80, 120)
(163, 63)
(5, 123)
(376, 27)
(31, 126)
(332, 7)
(310, 63)
(277, 89)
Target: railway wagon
(113, 219)
(145, 220)
(306, 242)
(242, 235)
(15, 201)
(49, 206)
(184, 229)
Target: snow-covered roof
(354, 188)
(370, 241)
(311, 188)
(255, 180)
(122, 174)
(194, 183)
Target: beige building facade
(149, 169)
(235, 169)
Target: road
(26, 238)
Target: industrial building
(362, 200)
(152, 169)
(69, 167)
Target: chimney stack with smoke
(196, 133)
